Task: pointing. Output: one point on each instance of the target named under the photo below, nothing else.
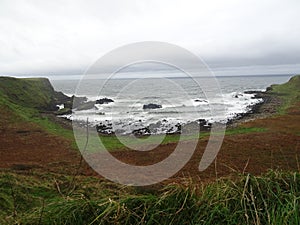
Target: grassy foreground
(273, 198)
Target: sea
(179, 100)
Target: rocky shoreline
(266, 108)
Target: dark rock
(178, 126)
(152, 106)
(238, 95)
(104, 129)
(81, 104)
(200, 100)
(104, 101)
(141, 132)
(175, 130)
(250, 92)
(205, 126)
(202, 122)
(170, 131)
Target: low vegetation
(22, 100)
(288, 93)
(35, 93)
(245, 199)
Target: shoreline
(266, 108)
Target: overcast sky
(232, 36)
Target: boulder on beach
(104, 101)
(104, 128)
(141, 131)
(238, 95)
(152, 106)
(204, 125)
(175, 129)
(200, 100)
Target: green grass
(272, 198)
(288, 92)
(244, 130)
(30, 92)
(112, 143)
(24, 98)
(20, 113)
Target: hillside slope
(29, 138)
(288, 92)
(36, 93)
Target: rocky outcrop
(152, 106)
(80, 103)
(141, 131)
(201, 100)
(104, 128)
(104, 101)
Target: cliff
(36, 93)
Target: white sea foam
(177, 107)
(126, 115)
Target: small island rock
(104, 101)
(152, 106)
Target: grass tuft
(272, 198)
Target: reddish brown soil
(253, 152)
(25, 146)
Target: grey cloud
(62, 37)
